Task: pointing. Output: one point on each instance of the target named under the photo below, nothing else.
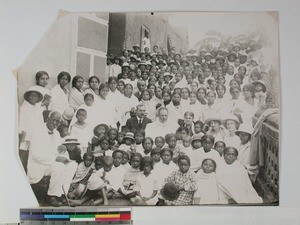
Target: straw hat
(68, 113)
(213, 118)
(129, 135)
(136, 46)
(170, 191)
(70, 140)
(197, 137)
(161, 62)
(33, 90)
(126, 65)
(244, 128)
(166, 74)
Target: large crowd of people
(166, 128)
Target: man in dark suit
(138, 122)
(141, 85)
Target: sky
(229, 23)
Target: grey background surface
(23, 23)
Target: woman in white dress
(76, 94)
(60, 96)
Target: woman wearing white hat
(244, 132)
(215, 128)
(231, 123)
(31, 115)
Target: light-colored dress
(59, 99)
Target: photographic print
(157, 109)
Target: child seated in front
(86, 179)
(165, 166)
(207, 192)
(146, 187)
(184, 180)
(234, 182)
(130, 176)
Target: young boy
(74, 152)
(82, 130)
(185, 181)
(146, 184)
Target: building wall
(125, 30)
(51, 54)
(116, 33)
(156, 23)
(179, 37)
(75, 43)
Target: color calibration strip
(112, 215)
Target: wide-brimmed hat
(172, 62)
(142, 63)
(129, 135)
(70, 140)
(68, 113)
(195, 55)
(262, 83)
(170, 191)
(177, 54)
(136, 46)
(214, 118)
(148, 63)
(230, 117)
(184, 60)
(106, 127)
(203, 50)
(244, 128)
(197, 137)
(161, 62)
(159, 53)
(207, 54)
(126, 65)
(167, 74)
(33, 90)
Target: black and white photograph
(152, 109)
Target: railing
(268, 178)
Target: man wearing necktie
(138, 122)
